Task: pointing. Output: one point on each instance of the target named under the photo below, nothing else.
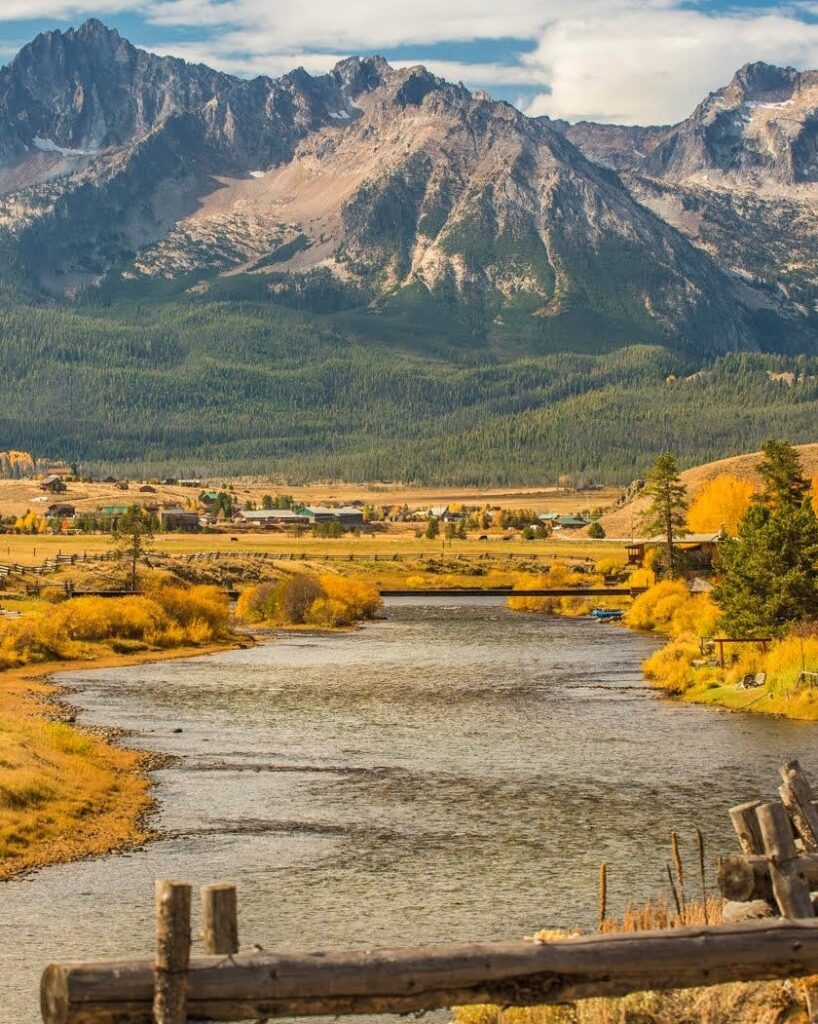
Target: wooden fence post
(797, 796)
(172, 952)
(220, 926)
(790, 886)
(745, 823)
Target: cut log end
(54, 995)
(736, 879)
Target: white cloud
(359, 24)
(63, 10)
(636, 65)
(633, 61)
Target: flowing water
(456, 771)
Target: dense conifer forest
(194, 385)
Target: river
(454, 771)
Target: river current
(454, 771)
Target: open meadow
(19, 496)
(28, 550)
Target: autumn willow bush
(166, 616)
(560, 576)
(329, 601)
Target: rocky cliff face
(739, 177)
(383, 189)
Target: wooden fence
(52, 564)
(773, 875)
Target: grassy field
(19, 496)
(28, 550)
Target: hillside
(738, 177)
(194, 387)
(376, 274)
(619, 522)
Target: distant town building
(173, 520)
(53, 483)
(62, 509)
(349, 516)
(270, 517)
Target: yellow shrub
(195, 605)
(325, 611)
(642, 577)
(610, 567)
(560, 576)
(169, 617)
(655, 608)
(259, 603)
(670, 667)
(328, 601)
(361, 600)
(698, 615)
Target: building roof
(271, 514)
(688, 538)
(563, 520)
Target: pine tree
(132, 537)
(667, 511)
(769, 579)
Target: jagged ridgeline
(377, 273)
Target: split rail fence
(769, 931)
(52, 564)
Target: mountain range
(408, 214)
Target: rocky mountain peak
(356, 75)
(761, 83)
(96, 33)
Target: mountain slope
(388, 191)
(739, 177)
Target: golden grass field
(19, 496)
(28, 550)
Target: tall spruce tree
(132, 538)
(769, 578)
(667, 512)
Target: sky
(620, 61)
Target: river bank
(686, 667)
(68, 791)
(452, 772)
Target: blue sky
(628, 61)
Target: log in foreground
(433, 977)
(748, 878)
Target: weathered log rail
(262, 985)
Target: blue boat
(607, 614)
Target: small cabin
(180, 520)
(61, 510)
(53, 483)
